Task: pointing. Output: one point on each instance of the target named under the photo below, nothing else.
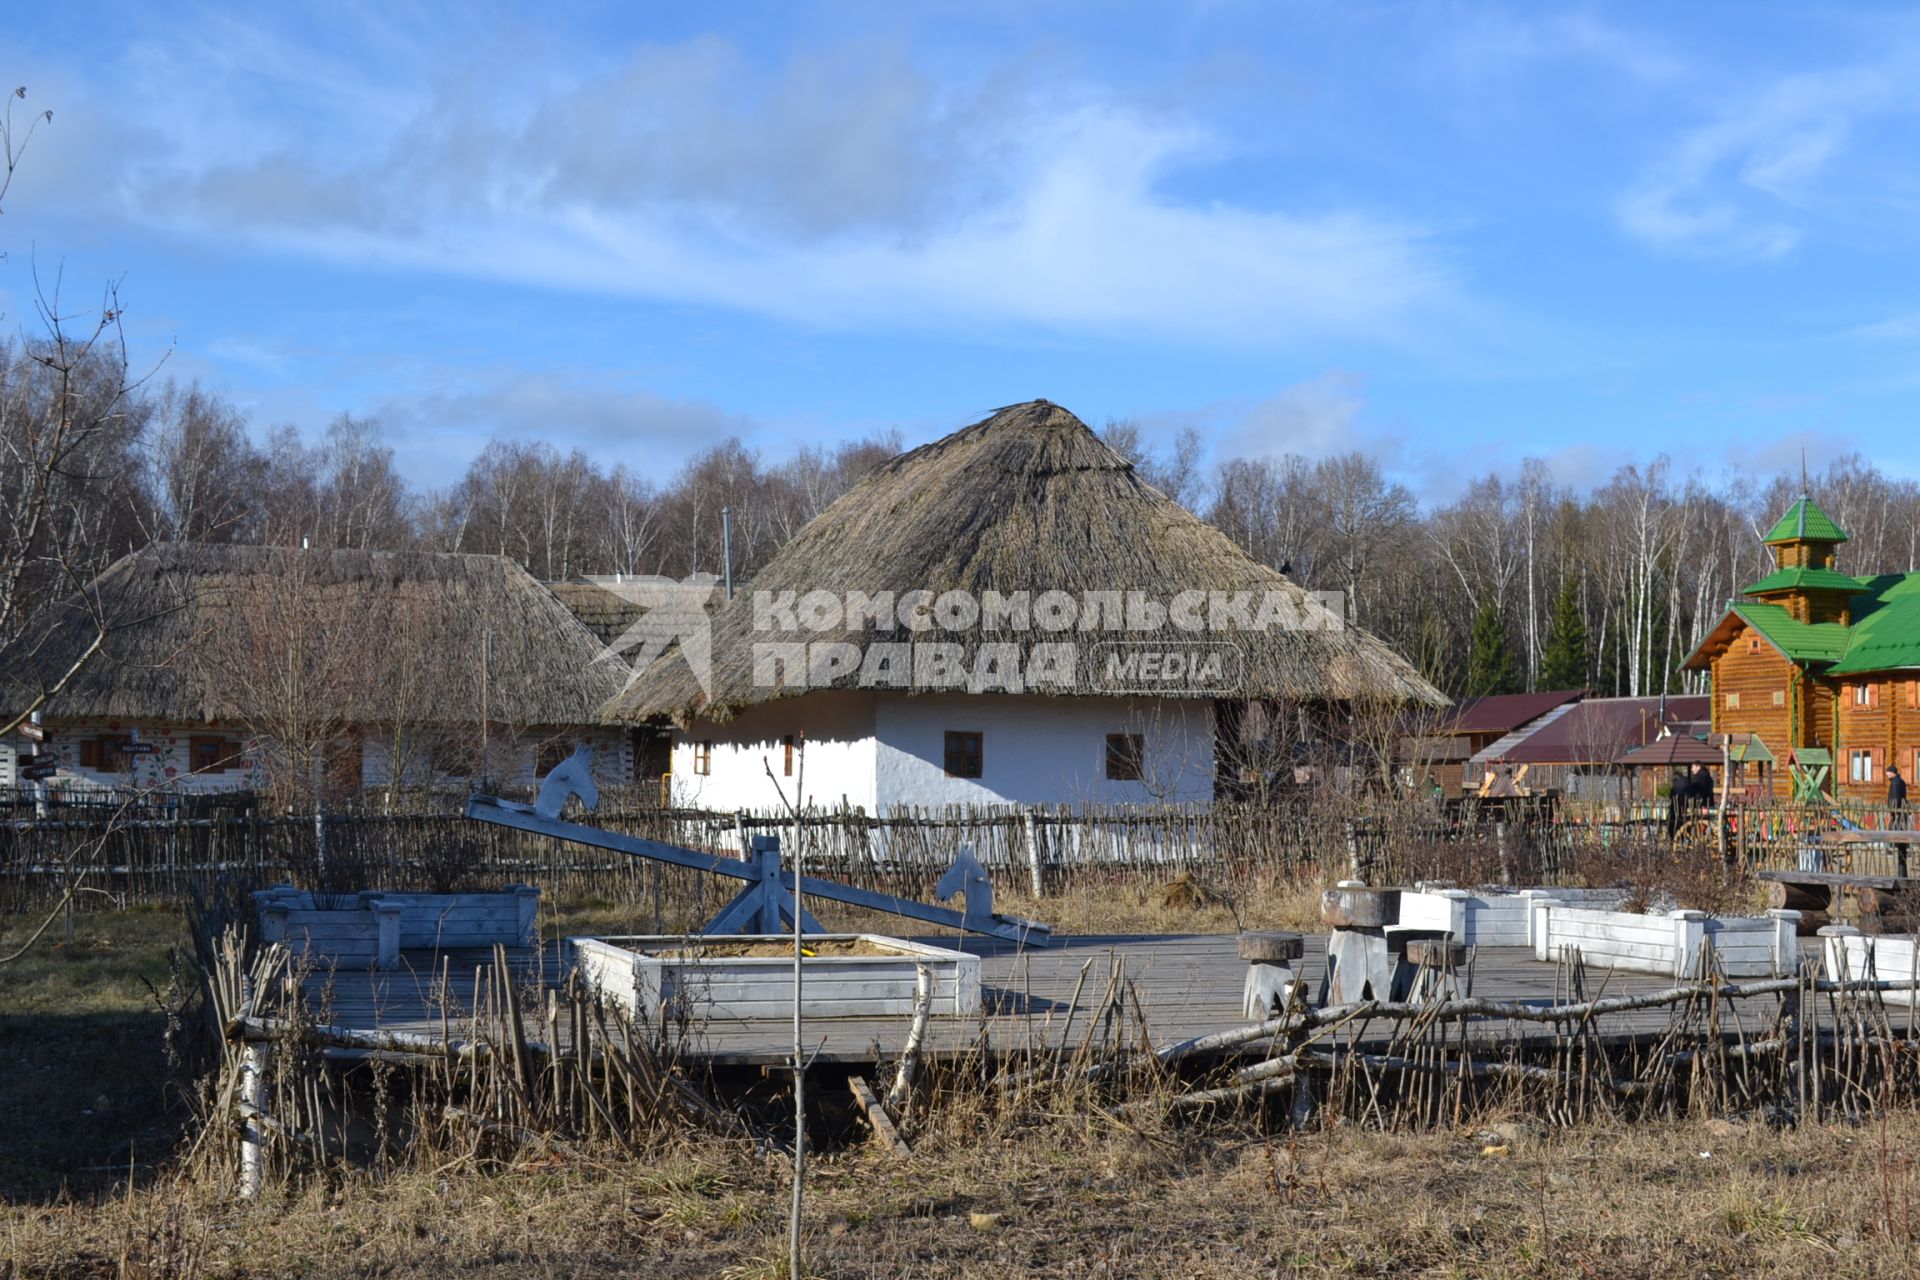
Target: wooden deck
(1188, 984)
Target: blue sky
(1454, 235)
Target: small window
(1863, 695)
(1733, 702)
(1860, 765)
(703, 758)
(1779, 697)
(549, 755)
(1126, 757)
(212, 755)
(786, 745)
(107, 754)
(1753, 644)
(963, 754)
(450, 757)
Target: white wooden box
(1851, 956)
(368, 930)
(1491, 917)
(645, 974)
(1671, 943)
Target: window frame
(1128, 751)
(227, 753)
(1856, 758)
(963, 749)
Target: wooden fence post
(1036, 873)
(253, 1097)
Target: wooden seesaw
(765, 902)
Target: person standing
(1896, 790)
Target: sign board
(39, 772)
(137, 748)
(32, 732)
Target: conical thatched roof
(1027, 501)
(195, 625)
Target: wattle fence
(140, 852)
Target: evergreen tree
(1490, 664)
(1563, 662)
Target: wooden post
(1786, 947)
(1539, 925)
(916, 1032)
(1689, 940)
(1036, 872)
(253, 1097)
(799, 1054)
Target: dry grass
(1076, 1197)
(1121, 903)
(1058, 1186)
(81, 1051)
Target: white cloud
(435, 433)
(1748, 182)
(842, 188)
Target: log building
(1820, 666)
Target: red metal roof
(1675, 749)
(1504, 712)
(1601, 730)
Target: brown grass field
(92, 1186)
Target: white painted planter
(1670, 943)
(351, 931)
(369, 930)
(642, 974)
(1486, 918)
(1850, 956)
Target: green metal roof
(1751, 751)
(1886, 626)
(1800, 641)
(1805, 521)
(1804, 580)
(1804, 756)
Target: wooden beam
(877, 1118)
(752, 904)
(488, 809)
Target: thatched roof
(417, 625)
(1029, 500)
(603, 612)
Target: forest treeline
(1521, 582)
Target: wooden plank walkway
(1188, 984)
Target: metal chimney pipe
(726, 547)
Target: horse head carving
(967, 876)
(571, 777)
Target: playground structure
(766, 900)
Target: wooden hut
(223, 667)
(1103, 688)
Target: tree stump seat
(1270, 954)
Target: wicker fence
(139, 853)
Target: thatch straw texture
(1029, 500)
(181, 612)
